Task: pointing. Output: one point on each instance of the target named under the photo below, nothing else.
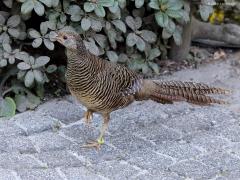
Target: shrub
(132, 32)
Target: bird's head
(70, 39)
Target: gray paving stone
(159, 176)
(62, 110)
(193, 169)
(231, 132)
(178, 150)
(116, 169)
(234, 148)
(230, 175)
(19, 144)
(128, 143)
(81, 133)
(106, 153)
(222, 161)
(18, 161)
(35, 123)
(149, 160)
(81, 173)
(208, 141)
(6, 174)
(39, 174)
(49, 141)
(58, 158)
(9, 128)
(158, 133)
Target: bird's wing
(120, 79)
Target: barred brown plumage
(104, 87)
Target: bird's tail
(170, 91)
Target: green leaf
(29, 79)
(49, 44)
(33, 101)
(8, 3)
(7, 107)
(41, 61)
(177, 37)
(162, 19)
(148, 36)
(99, 11)
(21, 102)
(170, 26)
(48, 3)
(154, 67)
(115, 8)
(119, 24)
(112, 56)
(43, 28)
(88, 7)
(131, 22)
(2, 20)
(92, 47)
(55, 3)
(131, 39)
(23, 66)
(37, 42)
(34, 34)
(14, 32)
(7, 47)
(39, 8)
(166, 34)
(139, 3)
(122, 3)
(51, 68)
(96, 25)
(154, 4)
(101, 40)
(85, 24)
(3, 62)
(14, 21)
(140, 44)
(27, 7)
(174, 4)
(154, 53)
(174, 13)
(38, 76)
(205, 11)
(106, 3)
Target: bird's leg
(88, 116)
(100, 140)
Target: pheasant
(103, 87)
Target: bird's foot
(94, 144)
(88, 117)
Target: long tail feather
(196, 93)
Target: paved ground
(145, 141)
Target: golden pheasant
(103, 87)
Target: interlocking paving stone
(34, 122)
(222, 161)
(194, 169)
(62, 110)
(58, 159)
(39, 174)
(19, 144)
(18, 161)
(81, 173)
(149, 160)
(6, 174)
(178, 150)
(115, 169)
(48, 141)
(9, 128)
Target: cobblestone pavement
(145, 141)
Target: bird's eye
(64, 37)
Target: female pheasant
(103, 87)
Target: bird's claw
(94, 144)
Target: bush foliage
(133, 32)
